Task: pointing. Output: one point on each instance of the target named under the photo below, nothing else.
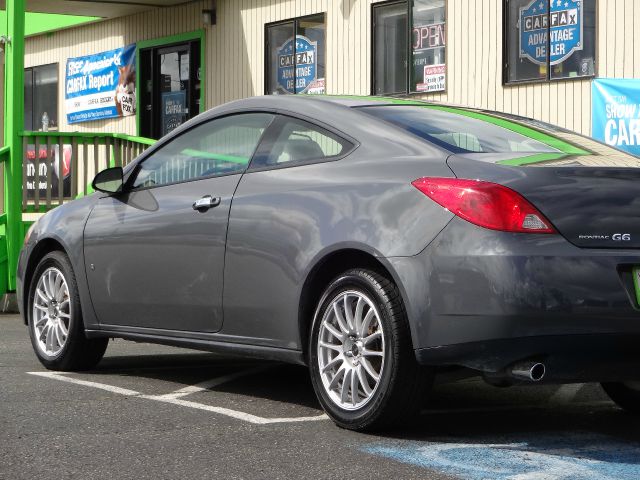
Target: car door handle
(205, 203)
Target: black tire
(624, 395)
(402, 384)
(78, 352)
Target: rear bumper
(475, 286)
(568, 358)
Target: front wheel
(55, 318)
(626, 395)
(361, 359)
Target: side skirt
(225, 347)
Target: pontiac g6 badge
(617, 237)
(624, 237)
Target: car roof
(298, 102)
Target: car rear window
(456, 132)
(501, 138)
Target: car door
(154, 254)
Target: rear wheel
(55, 318)
(626, 395)
(361, 358)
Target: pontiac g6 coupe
(374, 240)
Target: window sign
(554, 39)
(101, 85)
(174, 109)
(533, 32)
(565, 29)
(296, 62)
(428, 45)
(297, 70)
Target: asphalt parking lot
(161, 412)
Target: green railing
(59, 166)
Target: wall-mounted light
(209, 16)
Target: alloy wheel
(351, 350)
(51, 314)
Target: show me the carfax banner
(100, 86)
(616, 113)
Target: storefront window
(41, 98)
(549, 39)
(427, 46)
(422, 39)
(296, 66)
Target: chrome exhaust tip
(529, 371)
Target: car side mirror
(109, 180)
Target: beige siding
(234, 53)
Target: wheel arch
(325, 269)
(42, 248)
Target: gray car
(375, 240)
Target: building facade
(532, 58)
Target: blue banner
(101, 85)
(616, 113)
(302, 58)
(557, 26)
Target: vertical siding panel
(586, 108)
(569, 112)
(493, 61)
(553, 103)
(636, 48)
(475, 46)
(465, 70)
(608, 9)
(619, 38)
(628, 41)
(537, 101)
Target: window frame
(505, 55)
(267, 51)
(275, 128)
(409, 73)
(133, 173)
(32, 69)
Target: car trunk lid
(592, 200)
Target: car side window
(298, 141)
(220, 147)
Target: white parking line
(175, 397)
(85, 383)
(207, 384)
(246, 417)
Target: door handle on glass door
(205, 203)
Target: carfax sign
(297, 65)
(616, 113)
(101, 85)
(556, 25)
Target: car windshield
(460, 131)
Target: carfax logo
(297, 69)
(556, 26)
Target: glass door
(171, 87)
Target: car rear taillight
(486, 204)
